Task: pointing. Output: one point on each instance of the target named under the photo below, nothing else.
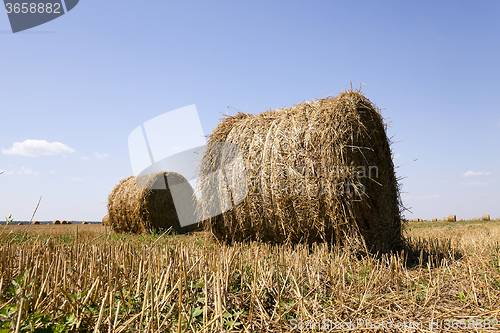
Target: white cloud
(76, 179)
(100, 156)
(84, 158)
(52, 172)
(474, 184)
(27, 171)
(471, 173)
(434, 196)
(35, 148)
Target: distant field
(53, 278)
(50, 229)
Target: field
(70, 278)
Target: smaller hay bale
(105, 220)
(64, 222)
(35, 222)
(56, 222)
(145, 203)
(69, 222)
(461, 220)
(452, 218)
(434, 219)
(477, 219)
(20, 223)
(85, 223)
(445, 219)
(485, 217)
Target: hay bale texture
(452, 218)
(434, 219)
(56, 222)
(485, 217)
(136, 209)
(299, 164)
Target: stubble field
(82, 278)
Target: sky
(72, 90)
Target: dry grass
(145, 203)
(319, 171)
(96, 281)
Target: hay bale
(300, 166)
(485, 218)
(105, 220)
(434, 219)
(85, 223)
(64, 222)
(56, 222)
(477, 219)
(445, 219)
(136, 209)
(452, 218)
(35, 222)
(461, 220)
(20, 223)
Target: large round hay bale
(64, 222)
(146, 207)
(485, 217)
(35, 222)
(452, 218)
(56, 222)
(434, 219)
(320, 171)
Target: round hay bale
(20, 223)
(56, 222)
(477, 219)
(452, 218)
(445, 219)
(35, 222)
(320, 171)
(64, 222)
(434, 219)
(85, 222)
(485, 218)
(133, 208)
(69, 222)
(105, 220)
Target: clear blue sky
(88, 78)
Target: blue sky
(87, 79)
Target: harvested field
(189, 283)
